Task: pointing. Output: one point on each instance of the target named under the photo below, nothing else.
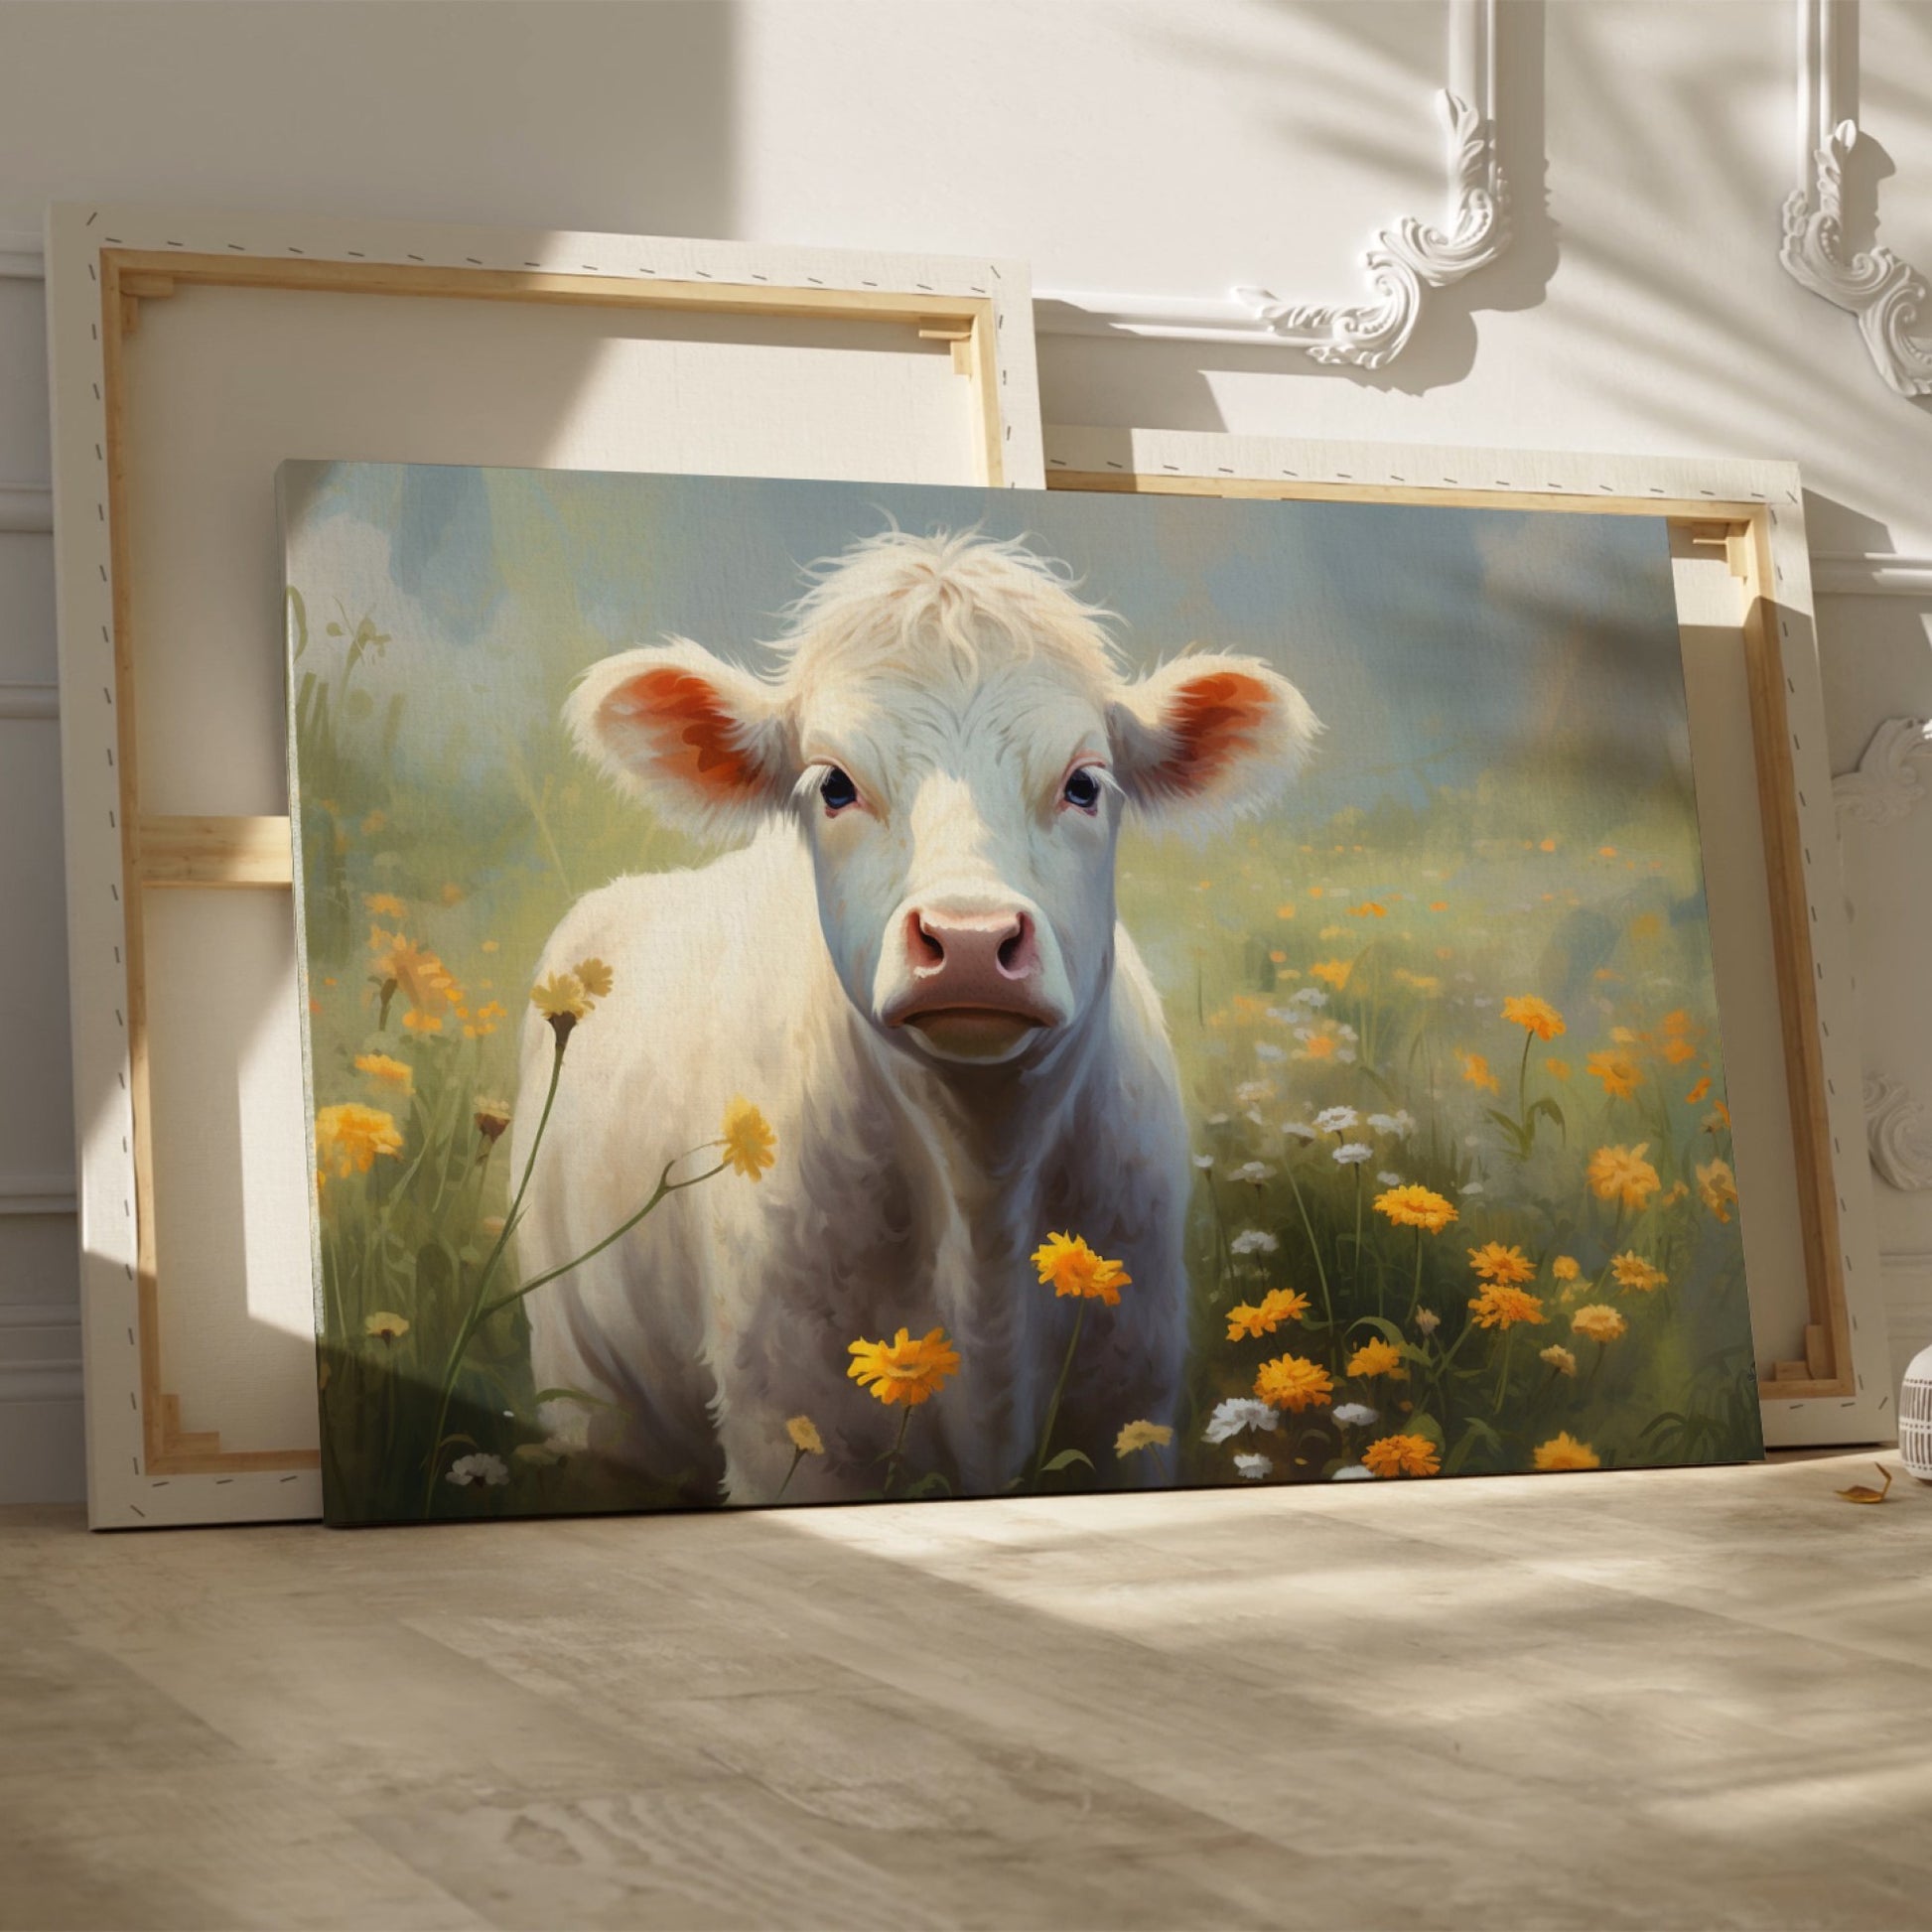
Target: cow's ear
(1208, 738)
(705, 745)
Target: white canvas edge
(1867, 1414)
(119, 1494)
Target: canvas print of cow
(819, 993)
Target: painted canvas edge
(121, 1495)
(1420, 469)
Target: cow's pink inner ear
(694, 735)
(1210, 722)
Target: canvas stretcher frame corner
(1785, 989)
(947, 339)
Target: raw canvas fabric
(821, 992)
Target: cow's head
(952, 735)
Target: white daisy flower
(1427, 1321)
(1254, 1241)
(1336, 1120)
(1266, 1049)
(1237, 1413)
(1470, 1187)
(490, 1470)
(1252, 1171)
(1254, 1468)
(1203, 1162)
(1352, 1472)
(1357, 1415)
(1300, 1129)
(1352, 1154)
(1381, 1123)
(1312, 996)
(1250, 1093)
(1389, 1177)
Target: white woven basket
(1915, 1417)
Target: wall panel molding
(1885, 785)
(37, 1193)
(27, 508)
(1898, 1130)
(1886, 293)
(1406, 262)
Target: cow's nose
(972, 949)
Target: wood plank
(538, 285)
(214, 852)
(1829, 1354)
(116, 312)
(1700, 511)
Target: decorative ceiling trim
(1898, 1130)
(1886, 783)
(1888, 295)
(1406, 262)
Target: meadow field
(1462, 1195)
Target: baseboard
(43, 1457)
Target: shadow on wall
(1444, 349)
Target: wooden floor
(1681, 1699)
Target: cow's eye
(1082, 788)
(837, 790)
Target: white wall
(1125, 145)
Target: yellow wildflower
(1557, 1069)
(1598, 1322)
(419, 1022)
(1415, 1207)
(387, 1072)
(1621, 1173)
(385, 1326)
(1558, 1357)
(1142, 1435)
(1539, 1016)
(1718, 1188)
(349, 1137)
(1402, 1456)
(1633, 1271)
(1072, 1268)
(1293, 1382)
(804, 1435)
(1368, 910)
(1424, 983)
(1502, 1306)
(491, 1118)
(1617, 1072)
(384, 905)
(1565, 1268)
(1335, 971)
(751, 1147)
(1377, 1357)
(1496, 1263)
(904, 1370)
(422, 979)
(1279, 1304)
(1563, 1451)
(1699, 1092)
(1475, 1070)
(1677, 1051)
(560, 997)
(594, 977)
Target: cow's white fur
(958, 681)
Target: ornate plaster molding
(1886, 784)
(1887, 294)
(1406, 262)
(1898, 1130)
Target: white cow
(913, 966)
